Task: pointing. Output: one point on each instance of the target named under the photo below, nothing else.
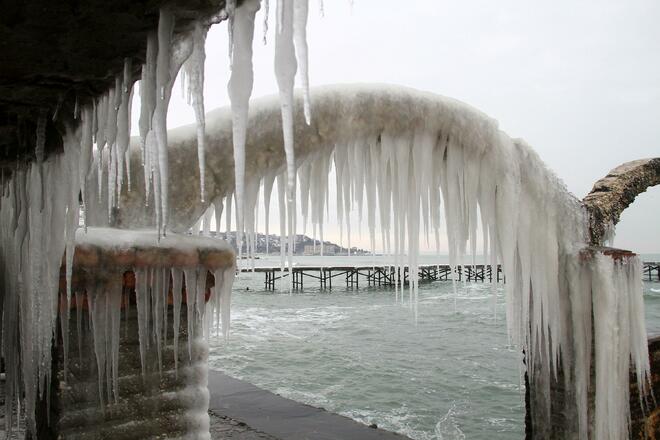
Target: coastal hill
(304, 245)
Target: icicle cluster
(170, 271)
(609, 289)
(39, 215)
(166, 54)
(290, 50)
(40, 208)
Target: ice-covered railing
(412, 160)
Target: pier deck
(376, 275)
(388, 275)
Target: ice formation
(240, 89)
(194, 70)
(412, 160)
(36, 227)
(40, 210)
(164, 269)
(400, 154)
(171, 271)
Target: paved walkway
(281, 418)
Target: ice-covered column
(605, 369)
(141, 315)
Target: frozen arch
(403, 154)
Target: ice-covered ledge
(121, 248)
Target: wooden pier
(651, 268)
(376, 275)
(383, 275)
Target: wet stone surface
(226, 428)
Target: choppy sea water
(357, 352)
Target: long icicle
(194, 69)
(159, 124)
(240, 89)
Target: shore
(240, 410)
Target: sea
(447, 373)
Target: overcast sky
(579, 80)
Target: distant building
(330, 249)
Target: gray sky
(578, 80)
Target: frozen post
(556, 403)
(137, 335)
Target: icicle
(285, 71)
(269, 180)
(114, 310)
(228, 217)
(218, 206)
(148, 93)
(240, 89)
(230, 9)
(98, 309)
(191, 297)
(194, 70)
(159, 122)
(300, 12)
(224, 280)
(86, 154)
(177, 285)
(123, 124)
(143, 301)
(206, 223)
(265, 26)
(71, 143)
(281, 197)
